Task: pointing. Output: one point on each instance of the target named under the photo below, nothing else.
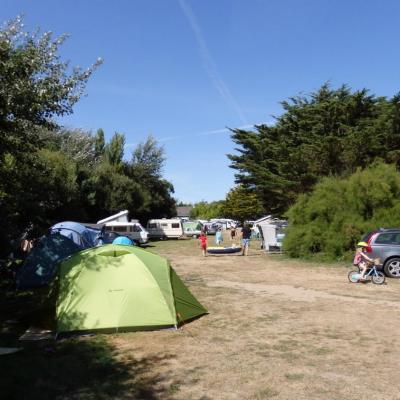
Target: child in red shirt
(203, 243)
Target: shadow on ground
(86, 367)
(80, 368)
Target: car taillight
(369, 249)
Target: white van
(165, 228)
(133, 230)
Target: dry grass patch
(277, 329)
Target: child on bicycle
(361, 259)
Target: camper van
(133, 230)
(165, 228)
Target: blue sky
(184, 70)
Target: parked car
(385, 245)
(212, 227)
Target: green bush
(327, 223)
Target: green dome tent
(117, 287)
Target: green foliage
(99, 143)
(242, 204)
(50, 174)
(330, 132)
(35, 85)
(110, 191)
(114, 184)
(327, 223)
(205, 210)
(114, 150)
(148, 159)
(78, 145)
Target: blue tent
(40, 265)
(84, 237)
(123, 240)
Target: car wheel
(392, 268)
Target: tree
(99, 143)
(146, 167)
(205, 210)
(136, 185)
(35, 87)
(107, 190)
(76, 143)
(114, 150)
(330, 132)
(148, 159)
(328, 222)
(242, 204)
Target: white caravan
(165, 228)
(119, 223)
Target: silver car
(385, 245)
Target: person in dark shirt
(246, 235)
(233, 233)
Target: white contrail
(209, 63)
(205, 133)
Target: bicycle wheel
(378, 279)
(354, 276)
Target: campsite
(276, 329)
(199, 200)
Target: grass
(84, 368)
(274, 332)
(294, 377)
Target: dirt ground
(276, 329)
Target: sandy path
(277, 329)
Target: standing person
(203, 243)
(218, 237)
(233, 233)
(246, 235)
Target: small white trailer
(165, 228)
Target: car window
(119, 228)
(396, 238)
(136, 228)
(388, 238)
(175, 225)
(366, 237)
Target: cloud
(209, 63)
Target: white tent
(272, 233)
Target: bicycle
(373, 274)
